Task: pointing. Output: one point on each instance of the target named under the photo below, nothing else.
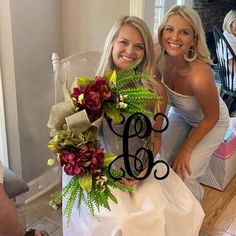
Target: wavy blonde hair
(192, 17)
(149, 60)
(228, 20)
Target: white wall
(9, 87)
(30, 31)
(86, 23)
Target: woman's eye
(185, 32)
(169, 29)
(123, 42)
(139, 47)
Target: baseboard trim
(43, 183)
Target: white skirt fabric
(157, 207)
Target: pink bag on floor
(222, 166)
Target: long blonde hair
(192, 17)
(148, 63)
(228, 20)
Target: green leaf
(108, 158)
(91, 134)
(82, 81)
(112, 197)
(113, 77)
(113, 113)
(54, 144)
(86, 182)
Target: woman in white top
(229, 31)
(198, 118)
(229, 28)
(156, 207)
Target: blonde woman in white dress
(157, 207)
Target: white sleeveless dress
(184, 115)
(157, 207)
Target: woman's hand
(127, 182)
(130, 182)
(180, 164)
(133, 181)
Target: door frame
(3, 136)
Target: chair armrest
(13, 184)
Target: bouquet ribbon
(64, 112)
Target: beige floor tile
(45, 224)
(57, 233)
(56, 216)
(41, 216)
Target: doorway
(3, 138)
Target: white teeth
(127, 58)
(174, 45)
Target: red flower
(66, 157)
(79, 170)
(77, 162)
(76, 92)
(92, 100)
(92, 115)
(100, 86)
(69, 169)
(94, 95)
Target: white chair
(83, 64)
(226, 64)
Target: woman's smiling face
(177, 36)
(128, 47)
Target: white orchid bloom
(122, 105)
(81, 98)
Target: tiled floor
(41, 216)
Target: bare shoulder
(202, 78)
(159, 88)
(202, 73)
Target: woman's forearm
(10, 224)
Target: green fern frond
(104, 199)
(80, 198)
(71, 197)
(115, 184)
(134, 109)
(111, 196)
(130, 75)
(97, 200)
(90, 203)
(121, 82)
(129, 70)
(140, 91)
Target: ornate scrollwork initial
(142, 128)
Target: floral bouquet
(74, 128)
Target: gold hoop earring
(191, 56)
